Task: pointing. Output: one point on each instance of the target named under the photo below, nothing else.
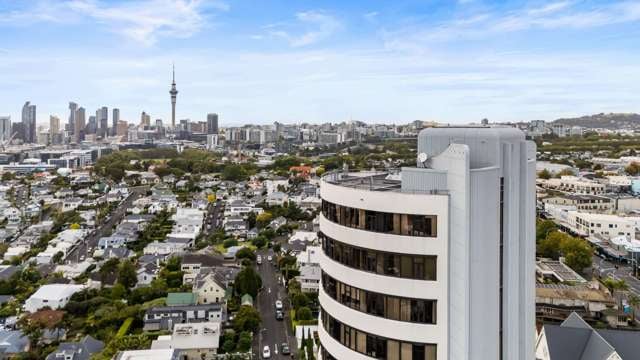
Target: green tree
(234, 172)
(246, 253)
(118, 291)
(247, 319)
(577, 253)
(263, 219)
(549, 247)
(543, 228)
(127, 274)
(633, 169)
(244, 342)
(304, 313)
(544, 174)
(248, 281)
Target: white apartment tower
(434, 262)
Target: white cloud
(310, 27)
(556, 15)
(143, 21)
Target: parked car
(279, 315)
(266, 352)
(284, 349)
(279, 305)
(259, 260)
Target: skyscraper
(29, 123)
(437, 262)
(114, 121)
(73, 107)
(145, 119)
(54, 125)
(174, 95)
(102, 120)
(79, 125)
(5, 128)
(212, 123)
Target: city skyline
(453, 62)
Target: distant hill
(607, 121)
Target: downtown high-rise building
(29, 123)
(5, 128)
(55, 137)
(80, 124)
(145, 119)
(114, 121)
(212, 123)
(435, 262)
(73, 107)
(102, 120)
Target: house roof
(202, 259)
(574, 339)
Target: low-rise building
(165, 317)
(54, 296)
(194, 341)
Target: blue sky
(316, 61)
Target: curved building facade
(427, 264)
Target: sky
(377, 61)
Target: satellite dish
(422, 157)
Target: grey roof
(12, 342)
(202, 259)
(574, 339)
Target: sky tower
(174, 94)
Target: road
(273, 332)
(213, 218)
(606, 268)
(91, 241)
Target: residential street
(90, 243)
(272, 332)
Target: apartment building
(437, 262)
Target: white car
(269, 258)
(266, 352)
(278, 305)
(259, 260)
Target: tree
(263, 219)
(248, 281)
(633, 169)
(127, 274)
(246, 253)
(320, 171)
(304, 313)
(577, 253)
(544, 174)
(234, 172)
(549, 247)
(247, 319)
(229, 243)
(634, 301)
(244, 341)
(543, 228)
(118, 291)
(211, 198)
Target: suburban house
(576, 339)
(81, 350)
(55, 296)
(309, 278)
(165, 317)
(194, 341)
(209, 288)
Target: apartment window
(420, 267)
(378, 221)
(376, 304)
(373, 345)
